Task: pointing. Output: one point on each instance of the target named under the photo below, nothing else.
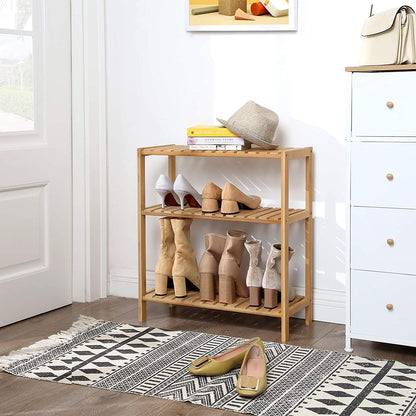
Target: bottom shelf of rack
(241, 305)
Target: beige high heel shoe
(232, 198)
(163, 268)
(211, 198)
(231, 281)
(184, 264)
(208, 265)
(254, 272)
(272, 277)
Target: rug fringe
(82, 324)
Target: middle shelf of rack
(241, 305)
(259, 215)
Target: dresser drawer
(383, 104)
(371, 167)
(383, 239)
(382, 307)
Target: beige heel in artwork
(226, 289)
(207, 286)
(161, 284)
(270, 298)
(179, 284)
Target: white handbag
(389, 38)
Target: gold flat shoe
(252, 379)
(223, 363)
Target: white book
(217, 147)
(203, 147)
(216, 140)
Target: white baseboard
(124, 283)
(328, 305)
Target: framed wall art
(241, 15)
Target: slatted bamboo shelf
(260, 215)
(241, 305)
(283, 216)
(176, 150)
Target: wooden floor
(22, 396)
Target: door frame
(89, 151)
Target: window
(16, 67)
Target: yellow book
(208, 130)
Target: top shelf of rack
(176, 150)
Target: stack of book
(205, 137)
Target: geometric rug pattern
(154, 362)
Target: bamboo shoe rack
(283, 216)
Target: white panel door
(35, 158)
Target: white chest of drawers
(381, 205)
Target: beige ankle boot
(231, 280)
(272, 277)
(255, 272)
(163, 268)
(184, 264)
(232, 198)
(208, 265)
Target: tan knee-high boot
(184, 264)
(231, 279)
(208, 265)
(163, 268)
(272, 277)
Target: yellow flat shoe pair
(250, 355)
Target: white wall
(162, 79)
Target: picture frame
(214, 21)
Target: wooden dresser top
(380, 68)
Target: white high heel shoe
(164, 187)
(186, 192)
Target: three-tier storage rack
(283, 216)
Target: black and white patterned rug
(154, 362)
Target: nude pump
(211, 198)
(233, 199)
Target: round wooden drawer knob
(390, 176)
(390, 241)
(389, 104)
(389, 307)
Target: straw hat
(254, 123)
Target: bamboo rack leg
(308, 239)
(172, 168)
(284, 238)
(172, 177)
(141, 234)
